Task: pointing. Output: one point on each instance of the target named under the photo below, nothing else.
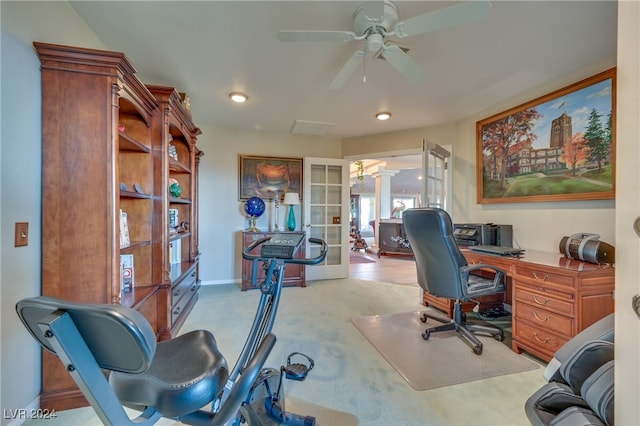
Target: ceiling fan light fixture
(238, 97)
(382, 116)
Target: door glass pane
(334, 194)
(333, 213)
(318, 174)
(317, 215)
(334, 175)
(334, 255)
(315, 252)
(317, 194)
(317, 232)
(334, 234)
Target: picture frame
(558, 147)
(262, 176)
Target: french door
(326, 215)
(437, 183)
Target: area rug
(359, 258)
(443, 360)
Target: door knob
(636, 226)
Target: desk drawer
(542, 300)
(537, 337)
(544, 319)
(541, 277)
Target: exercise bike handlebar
(246, 253)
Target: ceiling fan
(374, 22)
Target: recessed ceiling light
(238, 97)
(383, 116)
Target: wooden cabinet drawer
(542, 300)
(185, 285)
(177, 308)
(539, 338)
(543, 277)
(544, 319)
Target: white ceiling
(210, 48)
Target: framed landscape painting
(559, 147)
(265, 176)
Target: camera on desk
(476, 234)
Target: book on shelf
(127, 275)
(125, 241)
(175, 252)
(173, 221)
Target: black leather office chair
(443, 272)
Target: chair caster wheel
(500, 336)
(426, 335)
(477, 350)
(423, 318)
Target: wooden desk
(553, 298)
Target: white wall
(537, 226)
(221, 213)
(23, 23)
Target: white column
(383, 195)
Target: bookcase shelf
(105, 150)
(127, 143)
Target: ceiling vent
(313, 128)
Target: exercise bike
(185, 378)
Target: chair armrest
(477, 287)
(477, 266)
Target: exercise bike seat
(186, 373)
(175, 377)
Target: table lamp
(292, 199)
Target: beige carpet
(442, 360)
(324, 416)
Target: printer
(475, 234)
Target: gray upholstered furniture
(580, 390)
(443, 272)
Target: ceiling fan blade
(349, 68)
(287, 35)
(450, 16)
(404, 64)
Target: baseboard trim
(220, 282)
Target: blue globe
(254, 207)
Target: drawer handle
(535, 299)
(545, 341)
(176, 294)
(542, 277)
(545, 319)
(177, 311)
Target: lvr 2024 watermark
(23, 413)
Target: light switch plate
(22, 234)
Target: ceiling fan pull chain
(364, 63)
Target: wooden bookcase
(180, 279)
(104, 150)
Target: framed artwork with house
(559, 147)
